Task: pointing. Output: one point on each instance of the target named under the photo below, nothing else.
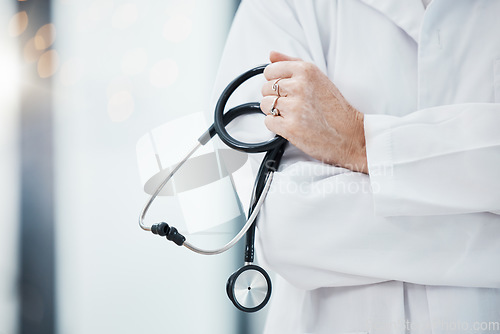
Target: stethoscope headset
(249, 288)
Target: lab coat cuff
(379, 152)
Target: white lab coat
(417, 243)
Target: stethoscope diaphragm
(249, 288)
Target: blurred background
(80, 83)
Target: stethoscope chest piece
(249, 288)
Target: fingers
(280, 66)
(276, 56)
(274, 124)
(282, 69)
(278, 87)
(268, 103)
(289, 69)
(283, 104)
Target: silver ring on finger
(276, 87)
(274, 110)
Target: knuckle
(268, 71)
(301, 86)
(303, 66)
(309, 69)
(295, 87)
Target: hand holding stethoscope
(313, 114)
(305, 107)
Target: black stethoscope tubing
(219, 118)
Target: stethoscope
(249, 288)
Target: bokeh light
(164, 73)
(177, 28)
(120, 106)
(48, 64)
(45, 36)
(100, 9)
(184, 7)
(18, 24)
(134, 61)
(31, 53)
(118, 84)
(124, 16)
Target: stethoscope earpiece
(249, 288)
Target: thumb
(276, 56)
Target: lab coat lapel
(407, 14)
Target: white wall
(124, 67)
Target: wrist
(359, 157)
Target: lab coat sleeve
(435, 161)
(317, 229)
